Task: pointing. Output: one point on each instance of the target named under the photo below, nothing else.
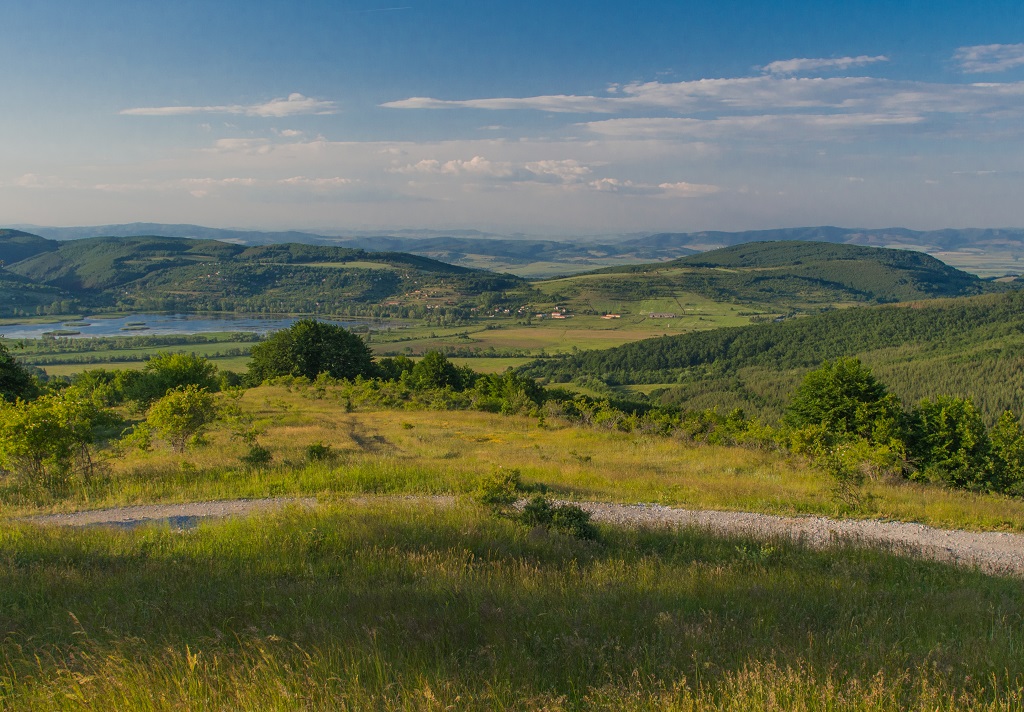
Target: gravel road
(993, 552)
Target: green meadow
(406, 606)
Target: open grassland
(405, 606)
(449, 452)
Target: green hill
(171, 273)
(770, 277)
(970, 347)
(103, 262)
(16, 246)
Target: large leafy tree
(308, 348)
(845, 399)
(952, 445)
(15, 380)
(434, 370)
(165, 372)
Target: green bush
(49, 441)
(845, 399)
(317, 452)
(182, 416)
(308, 348)
(500, 489)
(257, 457)
(567, 518)
(165, 372)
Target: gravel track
(993, 552)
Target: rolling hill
(171, 273)
(774, 277)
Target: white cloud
(335, 182)
(796, 124)
(34, 181)
(676, 190)
(766, 93)
(689, 190)
(545, 171)
(801, 66)
(624, 187)
(565, 171)
(990, 58)
(242, 145)
(560, 103)
(295, 104)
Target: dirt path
(994, 552)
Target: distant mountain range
(533, 256)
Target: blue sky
(537, 117)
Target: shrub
(317, 452)
(845, 399)
(500, 489)
(165, 372)
(567, 518)
(15, 380)
(1008, 450)
(49, 441)
(257, 457)
(182, 416)
(952, 445)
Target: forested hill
(16, 246)
(153, 272)
(792, 272)
(970, 346)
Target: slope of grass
(449, 452)
(411, 607)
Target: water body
(162, 324)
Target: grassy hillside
(405, 606)
(967, 347)
(366, 602)
(104, 262)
